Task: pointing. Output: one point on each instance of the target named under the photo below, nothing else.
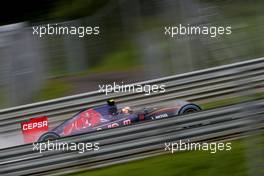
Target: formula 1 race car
(109, 116)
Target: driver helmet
(112, 107)
(126, 110)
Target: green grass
(222, 102)
(125, 59)
(230, 101)
(3, 97)
(198, 163)
(54, 88)
(118, 61)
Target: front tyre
(189, 108)
(49, 136)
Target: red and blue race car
(109, 116)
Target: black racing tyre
(48, 136)
(189, 108)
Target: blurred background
(131, 46)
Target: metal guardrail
(135, 141)
(193, 86)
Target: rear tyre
(49, 136)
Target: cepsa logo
(35, 124)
